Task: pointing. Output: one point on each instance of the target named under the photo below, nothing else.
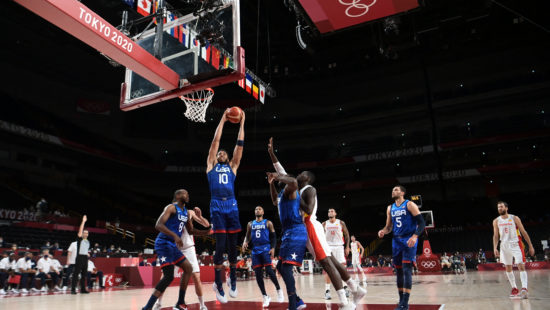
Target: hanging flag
(169, 18)
(255, 91)
(205, 52)
(241, 83)
(144, 7)
(185, 35)
(248, 83)
(215, 57)
(192, 41)
(225, 61)
(155, 8)
(130, 3)
(262, 93)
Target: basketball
(234, 114)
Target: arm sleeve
(420, 224)
(279, 168)
(272, 239)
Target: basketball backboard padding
(428, 219)
(84, 24)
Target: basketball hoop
(197, 103)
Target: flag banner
(248, 83)
(255, 91)
(241, 83)
(144, 7)
(215, 57)
(262, 93)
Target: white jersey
(335, 233)
(355, 251)
(507, 230)
(187, 239)
(313, 215)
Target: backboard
(202, 47)
(428, 219)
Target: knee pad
(167, 278)
(407, 276)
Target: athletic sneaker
(157, 305)
(44, 289)
(220, 296)
(266, 302)
(514, 293)
(57, 288)
(233, 292)
(300, 304)
(203, 307)
(35, 290)
(346, 289)
(523, 293)
(349, 306)
(180, 307)
(327, 295)
(280, 296)
(64, 288)
(2, 292)
(24, 291)
(359, 294)
(15, 291)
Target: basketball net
(197, 103)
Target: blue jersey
(175, 223)
(220, 180)
(259, 233)
(404, 224)
(289, 211)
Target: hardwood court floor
(473, 291)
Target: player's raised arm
(276, 164)
(211, 160)
(272, 239)
(197, 232)
(346, 236)
(247, 237)
(197, 216)
(420, 224)
(81, 228)
(238, 151)
(495, 238)
(161, 224)
(524, 234)
(272, 189)
(307, 203)
(291, 185)
(387, 229)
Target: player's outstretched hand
(198, 212)
(84, 218)
(244, 246)
(412, 241)
(224, 116)
(179, 242)
(271, 176)
(381, 233)
(270, 145)
(497, 253)
(242, 116)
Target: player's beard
(502, 212)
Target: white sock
(511, 278)
(352, 285)
(201, 300)
(342, 296)
(327, 286)
(523, 277)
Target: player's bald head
(306, 177)
(181, 195)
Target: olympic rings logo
(428, 264)
(360, 8)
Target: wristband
(240, 142)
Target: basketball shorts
(512, 251)
(191, 255)
(224, 215)
(401, 252)
(293, 245)
(338, 252)
(168, 253)
(317, 241)
(261, 257)
(355, 260)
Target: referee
(81, 264)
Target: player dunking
(188, 250)
(337, 235)
(317, 243)
(294, 239)
(170, 224)
(261, 234)
(224, 213)
(404, 218)
(509, 229)
(357, 251)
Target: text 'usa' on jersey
(404, 224)
(176, 223)
(259, 233)
(221, 180)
